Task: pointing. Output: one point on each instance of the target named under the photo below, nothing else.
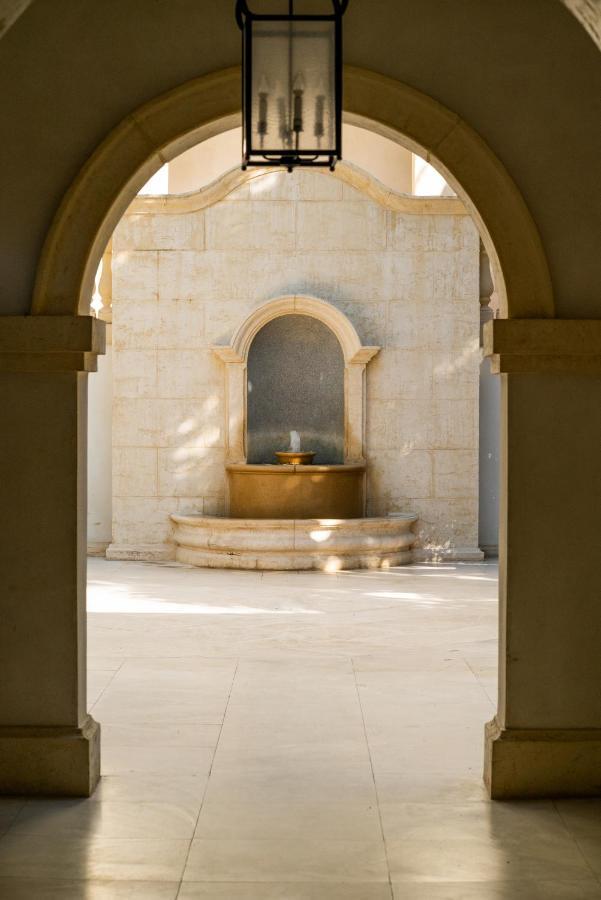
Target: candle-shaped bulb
(284, 130)
(320, 104)
(263, 94)
(298, 88)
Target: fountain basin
(296, 491)
(284, 544)
(295, 457)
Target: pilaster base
(50, 761)
(552, 762)
(97, 548)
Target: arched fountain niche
(295, 384)
(295, 373)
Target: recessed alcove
(295, 381)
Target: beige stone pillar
(48, 743)
(546, 738)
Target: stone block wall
(184, 279)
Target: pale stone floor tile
(283, 891)
(116, 819)
(582, 817)
(271, 804)
(166, 760)
(159, 734)
(178, 670)
(146, 681)
(10, 806)
(500, 890)
(44, 856)
(184, 791)
(104, 663)
(289, 750)
(591, 850)
(184, 706)
(39, 889)
(430, 748)
(98, 681)
(482, 859)
(525, 820)
(436, 787)
(303, 860)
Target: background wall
(182, 282)
(489, 429)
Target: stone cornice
(545, 346)
(180, 204)
(50, 344)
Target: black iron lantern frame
(288, 122)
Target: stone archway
(175, 121)
(58, 750)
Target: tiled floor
(299, 737)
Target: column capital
(543, 346)
(51, 344)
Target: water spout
(295, 442)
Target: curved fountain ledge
(326, 544)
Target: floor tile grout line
(373, 777)
(106, 687)
(594, 873)
(204, 794)
(479, 683)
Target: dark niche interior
(295, 382)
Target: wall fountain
(296, 359)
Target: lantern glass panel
(293, 105)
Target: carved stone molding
(181, 204)
(551, 346)
(50, 344)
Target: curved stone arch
(301, 305)
(175, 121)
(235, 357)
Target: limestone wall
(185, 279)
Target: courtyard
(295, 736)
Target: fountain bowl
(295, 457)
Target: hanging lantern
(291, 87)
